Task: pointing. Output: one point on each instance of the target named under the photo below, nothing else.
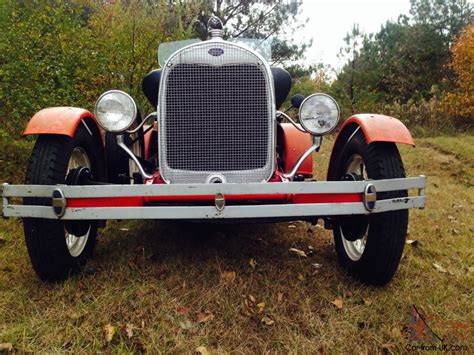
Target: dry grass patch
(174, 287)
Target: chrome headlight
(115, 111)
(319, 114)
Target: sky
(330, 20)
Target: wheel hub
(353, 227)
(78, 172)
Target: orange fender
(380, 128)
(59, 120)
(376, 128)
(295, 143)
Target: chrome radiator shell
(216, 115)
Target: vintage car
(218, 148)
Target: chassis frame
(208, 201)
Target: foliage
(41, 58)
(66, 53)
(460, 102)
(424, 117)
(405, 64)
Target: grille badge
(216, 52)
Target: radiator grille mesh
(216, 118)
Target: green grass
(159, 276)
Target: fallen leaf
(252, 263)
(455, 231)
(439, 267)
(183, 310)
(280, 296)
(6, 347)
(129, 330)
(202, 350)
(291, 226)
(316, 265)
(248, 309)
(228, 276)
(124, 229)
(261, 307)
(252, 299)
(300, 277)
(109, 332)
(338, 302)
(267, 320)
(451, 218)
(204, 317)
(298, 252)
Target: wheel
(56, 253)
(370, 247)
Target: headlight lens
(115, 111)
(319, 114)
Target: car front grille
(216, 116)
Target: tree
(262, 19)
(405, 60)
(460, 102)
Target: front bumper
(212, 201)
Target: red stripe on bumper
(136, 201)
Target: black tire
(46, 239)
(386, 232)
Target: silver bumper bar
(263, 210)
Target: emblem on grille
(216, 52)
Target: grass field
(175, 288)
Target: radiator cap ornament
(215, 28)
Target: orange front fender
(59, 120)
(380, 128)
